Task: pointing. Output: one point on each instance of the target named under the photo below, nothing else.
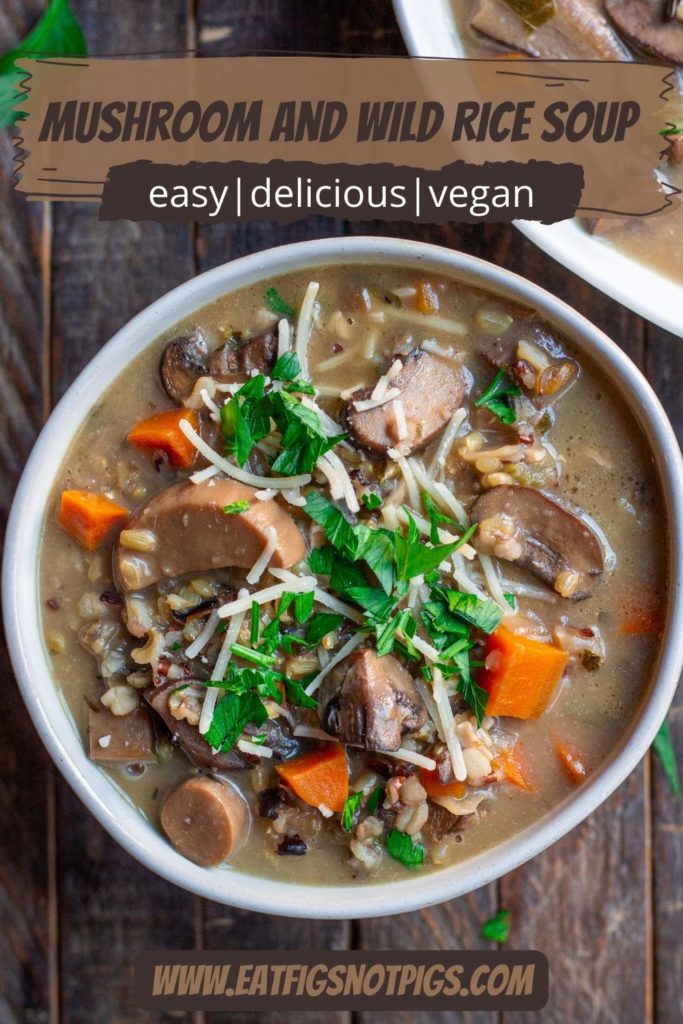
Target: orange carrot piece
(571, 762)
(426, 298)
(514, 771)
(642, 614)
(435, 788)
(162, 432)
(319, 778)
(520, 674)
(89, 518)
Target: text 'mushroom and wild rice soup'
(339, 630)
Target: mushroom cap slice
(431, 391)
(371, 700)
(189, 532)
(183, 361)
(643, 24)
(526, 527)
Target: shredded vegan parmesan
(309, 732)
(335, 605)
(261, 563)
(304, 326)
(349, 646)
(298, 585)
(346, 394)
(366, 404)
(221, 665)
(339, 479)
(448, 725)
(334, 361)
(429, 323)
(202, 640)
(447, 439)
(330, 426)
(326, 811)
(266, 494)
(493, 583)
(412, 757)
(284, 337)
(202, 475)
(294, 497)
(254, 748)
(399, 413)
(411, 483)
(278, 482)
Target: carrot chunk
(426, 298)
(162, 432)
(89, 518)
(436, 788)
(520, 674)
(572, 764)
(514, 771)
(319, 778)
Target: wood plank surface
(74, 908)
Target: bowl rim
(635, 285)
(22, 609)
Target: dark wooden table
(605, 904)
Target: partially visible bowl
(435, 33)
(22, 608)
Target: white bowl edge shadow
(633, 284)
(22, 606)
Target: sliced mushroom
(524, 526)
(577, 30)
(535, 360)
(431, 390)
(194, 534)
(120, 739)
(643, 24)
(188, 736)
(371, 701)
(187, 358)
(204, 819)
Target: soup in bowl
(357, 572)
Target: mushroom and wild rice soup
(353, 573)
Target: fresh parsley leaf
(474, 695)
(496, 397)
(57, 32)
(401, 847)
(497, 928)
(436, 517)
(349, 810)
(346, 575)
(255, 623)
(485, 615)
(296, 694)
(376, 548)
(664, 748)
(374, 799)
(373, 600)
(278, 305)
(320, 625)
(414, 558)
(235, 507)
(321, 560)
(303, 606)
(371, 500)
(287, 367)
(230, 716)
(257, 657)
(385, 636)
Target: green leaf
(287, 367)
(374, 799)
(413, 557)
(401, 847)
(436, 517)
(56, 33)
(257, 657)
(373, 600)
(349, 810)
(496, 397)
(321, 560)
(371, 500)
(497, 928)
(255, 623)
(322, 624)
(230, 716)
(664, 748)
(296, 694)
(303, 606)
(532, 13)
(484, 614)
(236, 507)
(278, 305)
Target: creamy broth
(367, 315)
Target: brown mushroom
(204, 819)
(643, 23)
(431, 390)
(186, 530)
(183, 362)
(524, 526)
(120, 739)
(371, 701)
(187, 358)
(575, 30)
(535, 360)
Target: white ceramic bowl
(430, 30)
(22, 605)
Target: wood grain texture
(27, 975)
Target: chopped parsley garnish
(349, 810)
(303, 606)
(235, 507)
(296, 694)
(497, 928)
(287, 367)
(231, 714)
(371, 500)
(414, 558)
(277, 304)
(257, 657)
(375, 799)
(402, 848)
(497, 397)
(664, 748)
(255, 623)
